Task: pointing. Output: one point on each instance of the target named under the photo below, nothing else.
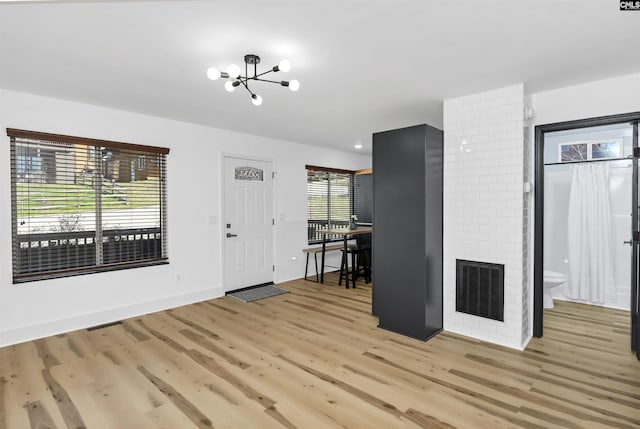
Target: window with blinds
(84, 205)
(329, 200)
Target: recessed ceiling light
(358, 146)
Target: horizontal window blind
(84, 205)
(340, 198)
(329, 201)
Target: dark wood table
(345, 233)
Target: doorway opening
(586, 218)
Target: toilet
(551, 280)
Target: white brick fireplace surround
(484, 161)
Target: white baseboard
(54, 327)
(486, 339)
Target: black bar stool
(360, 261)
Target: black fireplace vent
(480, 289)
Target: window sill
(26, 278)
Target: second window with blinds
(330, 200)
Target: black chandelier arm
(265, 72)
(245, 84)
(244, 80)
(270, 81)
(256, 75)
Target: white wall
(600, 98)
(43, 308)
(483, 205)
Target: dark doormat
(257, 293)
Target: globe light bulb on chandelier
(294, 85)
(213, 73)
(233, 70)
(256, 100)
(284, 66)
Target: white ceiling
(364, 65)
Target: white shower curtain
(589, 228)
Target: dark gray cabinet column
(407, 230)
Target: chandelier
(236, 79)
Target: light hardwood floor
(313, 358)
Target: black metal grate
(480, 289)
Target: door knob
(229, 235)
(630, 242)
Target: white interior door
(248, 223)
